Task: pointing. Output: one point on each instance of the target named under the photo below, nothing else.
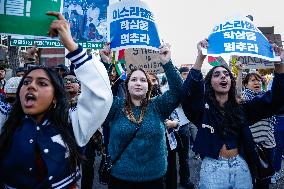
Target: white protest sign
(254, 62)
(239, 36)
(131, 24)
(147, 59)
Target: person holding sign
(143, 163)
(224, 140)
(37, 142)
(262, 131)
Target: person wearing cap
(20, 71)
(11, 88)
(6, 103)
(61, 69)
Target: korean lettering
(143, 25)
(134, 24)
(14, 42)
(238, 24)
(144, 38)
(230, 46)
(249, 26)
(144, 13)
(134, 11)
(1, 6)
(134, 37)
(235, 35)
(15, 7)
(252, 47)
(123, 13)
(251, 36)
(229, 35)
(241, 46)
(228, 25)
(39, 43)
(115, 14)
(240, 35)
(124, 25)
(124, 38)
(28, 8)
(20, 42)
(30, 42)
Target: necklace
(131, 116)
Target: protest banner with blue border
(131, 25)
(239, 36)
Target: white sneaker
(275, 177)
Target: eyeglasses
(71, 80)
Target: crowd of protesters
(53, 120)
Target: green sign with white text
(27, 17)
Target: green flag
(27, 17)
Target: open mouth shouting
(223, 84)
(257, 87)
(29, 100)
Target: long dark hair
(128, 103)
(57, 116)
(232, 116)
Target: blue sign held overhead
(239, 37)
(131, 25)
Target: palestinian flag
(117, 60)
(119, 57)
(216, 61)
(119, 69)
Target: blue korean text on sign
(239, 37)
(131, 25)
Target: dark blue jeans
(264, 184)
(279, 138)
(116, 183)
(88, 166)
(183, 140)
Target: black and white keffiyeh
(249, 94)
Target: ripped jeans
(225, 173)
